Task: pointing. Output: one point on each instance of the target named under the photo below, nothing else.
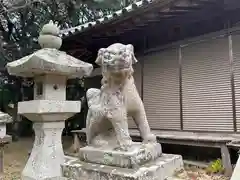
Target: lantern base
(47, 154)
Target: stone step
(162, 168)
(137, 155)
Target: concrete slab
(236, 172)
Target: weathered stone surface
(136, 155)
(53, 178)
(236, 172)
(160, 169)
(49, 60)
(5, 118)
(48, 110)
(47, 153)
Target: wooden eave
(137, 20)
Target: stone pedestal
(47, 153)
(160, 169)
(140, 162)
(137, 155)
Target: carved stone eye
(55, 87)
(120, 52)
(107, 55)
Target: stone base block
(52, 178)
(47, 154)
(137, 155)
(162, 168)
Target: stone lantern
(4, 138)
(4, 119)
(50, 69)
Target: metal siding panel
(161, 90)
(138, 77)
(236, 71)
(206, 86)
(138, 82)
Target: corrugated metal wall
(236, 70)
(161, 90)
(206, 86)
(138, 76)
(138, 82)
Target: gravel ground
(193, 173)
(16, 155)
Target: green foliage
(19, 27)
(215, 167)
(5, 96)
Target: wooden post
(76, 143)
(226, 160)
(1, 158)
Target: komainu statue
(118, 98)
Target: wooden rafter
(193, 14)
(186, 8)
(80, 52)
(172, 13)
(205, 2)
(190, 11)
